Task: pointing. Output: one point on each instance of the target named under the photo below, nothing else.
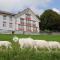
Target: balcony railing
(28, 24)
(28, 18)
(28, 30)
(22, 29)
(22, 23)
(34, 25)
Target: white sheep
(15, 39)
(29, 42)
(41, 44)
(54, 44)
(7, 44)
(26, 42)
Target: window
(21, 18)
(4, 24)
(28, 28)
(28, 21)
(4, 17)
(20, 26)
(10, 25)
(28, 16)
(22, 21)
(10, 18)
(34, 29)
(34, 23)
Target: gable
(28, 11)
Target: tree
(39, 22)
(50, 20)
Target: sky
(38, 6)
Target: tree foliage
(50, 20)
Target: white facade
(24, 22)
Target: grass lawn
(29, 54)
(41, 37)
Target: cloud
(37, 11)
(56, 10)
(18, 5)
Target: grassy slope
(44, 37)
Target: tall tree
(50, 20)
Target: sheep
(29, 42)
(15, 39)
(41, 44)
(54, 44)
(26, 42)
(6, 44)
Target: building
(24, 22)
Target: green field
(16, 53)
(41, 37)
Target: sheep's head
(15, 39)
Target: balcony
(28, 30)
(28, 24)
(34, 25)
(28, 18)
(21, 29)
(21, 23)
